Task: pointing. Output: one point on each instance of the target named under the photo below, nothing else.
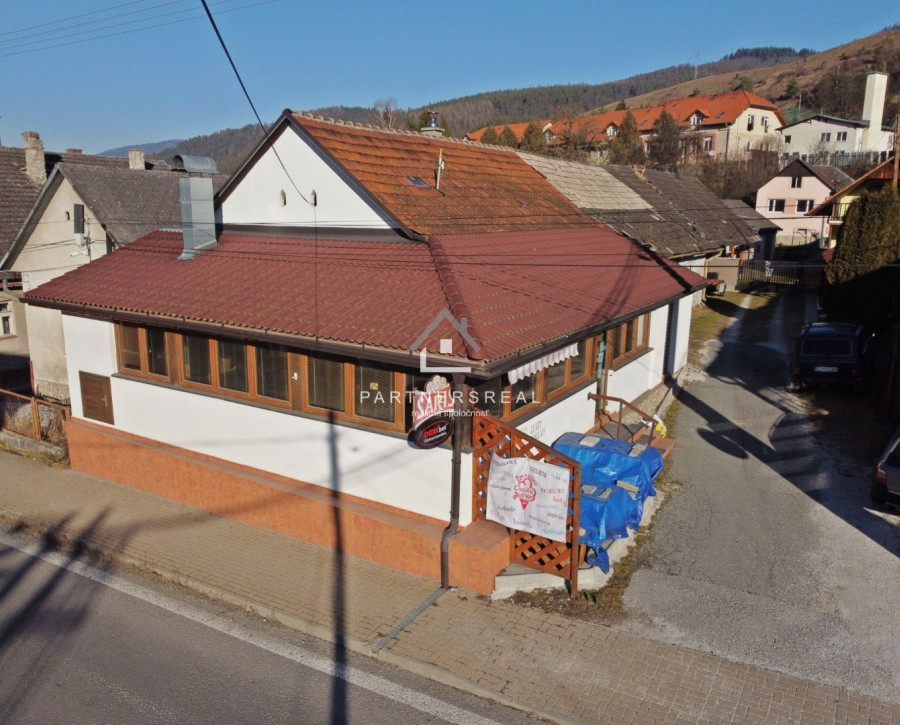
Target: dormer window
(696, 119)
(612, 130)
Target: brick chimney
(35, 166)
(136, 159)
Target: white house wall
(371, 466)
(574, 414)
(257, 199)
(645, 372)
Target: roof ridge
(458, 307)
(394, 131)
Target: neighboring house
(83, 212)
(271, 376)
(517, 128)
(790, 195)
(23, 172)
(839, 140)
(764, 227)
(676, 216)
(835, 207)
(729, 125)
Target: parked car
(886, 476)
(831, 353)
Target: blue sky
(86, 83)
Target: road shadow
(823, 441)
(29, 597)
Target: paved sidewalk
(567, 670)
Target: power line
(133, 30)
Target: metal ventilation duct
(195, 164)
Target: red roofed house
(517, 128)
(726, 124)
(262, 368)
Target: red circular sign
(433, 432)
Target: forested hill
(774, 73)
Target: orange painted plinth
(381, 534)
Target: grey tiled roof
(17, 195)
(687, 217)
(588, 186)
(676, 215)
(753, 218)
(129, 203)
(18, 192)
(833, 176)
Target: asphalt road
(770, 553)
(79, 644)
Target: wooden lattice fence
(491, 437)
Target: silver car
(886, 476)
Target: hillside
(831, 81)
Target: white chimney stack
(136, 159)
(873, 105)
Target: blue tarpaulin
(608, 510)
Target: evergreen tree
(490, 137)
(534, 139)
(793, 88)
(508, 138)
(626, 147)
(665, 145)
(622, 105)
(860, 285)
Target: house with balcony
(791, 194)
(823, 139)
(834, 208)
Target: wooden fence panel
(491, 437)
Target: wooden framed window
(271, 362)
(326, 384)
(356, 391)
(143, 350)
(628, 340)
(196, 366)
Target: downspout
(455, 474)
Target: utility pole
(697, 64)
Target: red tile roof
(516, 128)
(717, 110)
(874, 177)
(519, 290)
(482, 189)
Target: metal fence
(783, 274)
(33, 418)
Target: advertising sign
(529, 495)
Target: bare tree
(386, 114)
